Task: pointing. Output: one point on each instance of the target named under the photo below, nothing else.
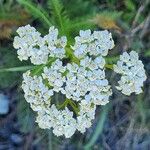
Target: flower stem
(74, 106)
(37, 70)
(71, 103)
(109, 66)
(69, 53)
(64, 104)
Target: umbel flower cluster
(65, 93)
(132, 71)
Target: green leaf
(147, 53)
(38, 69)
(111, 14)
(109, 66)
(99, 128)
(25, 115)
(130, 5)
(16, 69)
(57, 12)
(111, 60)
(140, 107)
(36, 11)
(79, 8)
(9, 73)
(80, 23)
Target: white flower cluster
(79, 82)
(86, 115)
(76, 83)
(94, 44)
(31, 44)
(84, 85)
(36, 93)
(132, 73)
(54, 75)
(62, 121)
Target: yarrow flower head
(64, 92)
(132, 73)
(31, 44)
(94, 44)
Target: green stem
(140, 108)
(75, 108)
(71, 103)
(109, 66)
(64, 104)
(39, 68)
(70, 55)
(99, 128)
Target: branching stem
(71, 103)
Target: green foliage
(36, 11)
(99, 128)
(9, 10)
(111, 14)
(137, 45)
(112, 60)
(70, 16)
(57, 16)
(111, 3)
(25, 115)
(16, 69)
(8, 59)
(130, 10)
(62, 18)
(147, 53)
(57, 13)
(130, 5)
(79, 8)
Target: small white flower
(55, 45)
(100, 61)
(54, 75)
(31, 45)
(84, 36)
(132, 71)
(94, 44)
(84, 84)
(61, 121)
(86, 115)
(85, 62)
(36, 93)
(80, 50)
(104, 41)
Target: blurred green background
(124, 123)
